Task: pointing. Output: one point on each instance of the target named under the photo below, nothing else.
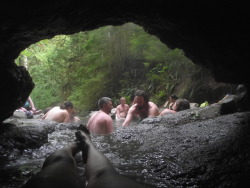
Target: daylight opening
(111, 61)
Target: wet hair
(141, 93)
(182, 104)
(122, 98)
(175, 97)
(67, 105)
(102, 101)
(47, 109)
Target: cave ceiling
(212, 34)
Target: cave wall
(213, 35)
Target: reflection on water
(22, 166)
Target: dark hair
(102, 101)
(175, 97)
(67, 105)
(47, 109)
(143, 94)
(182, 104)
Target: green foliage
(111, 61)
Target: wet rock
(194, 105)
(24, 115)
(228, 105)
(176, 151)
(235, 103)
(25, 133)
(192, 148)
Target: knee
(59, 158)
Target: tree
(110, 61)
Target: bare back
(57, 114)
(100, 123)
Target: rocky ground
(193, 148)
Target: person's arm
(153, 110)
(118, 112)
(129, 116)
(167, 111)
(66, 117)
(109, 125)
(166, 105)
(23, 109)
(171, 105)
(76, 119)
(127, 109)
(44, 116)
(89, 122)
(32, 104)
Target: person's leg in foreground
(100, 172)
(59, 170)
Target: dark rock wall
(195, 148)
(214, 35)
(15, 85)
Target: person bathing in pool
(59, 169)
(100, 123)
(142, 108)
(121, 110)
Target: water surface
(23, 165)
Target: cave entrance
(110, 61)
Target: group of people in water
(101, 122)
(62, 114)
(59, 168)
(29, 108)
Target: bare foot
(84, 129)
(83, 145)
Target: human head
(105, 104)
(122, 100)
(141, 98)
(67, 105)
(173, 97)
(181, 104)
(72, 114)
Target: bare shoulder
(152, 105)
(65, 112)
(132, 108)
(104, 115)
(167, 111)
